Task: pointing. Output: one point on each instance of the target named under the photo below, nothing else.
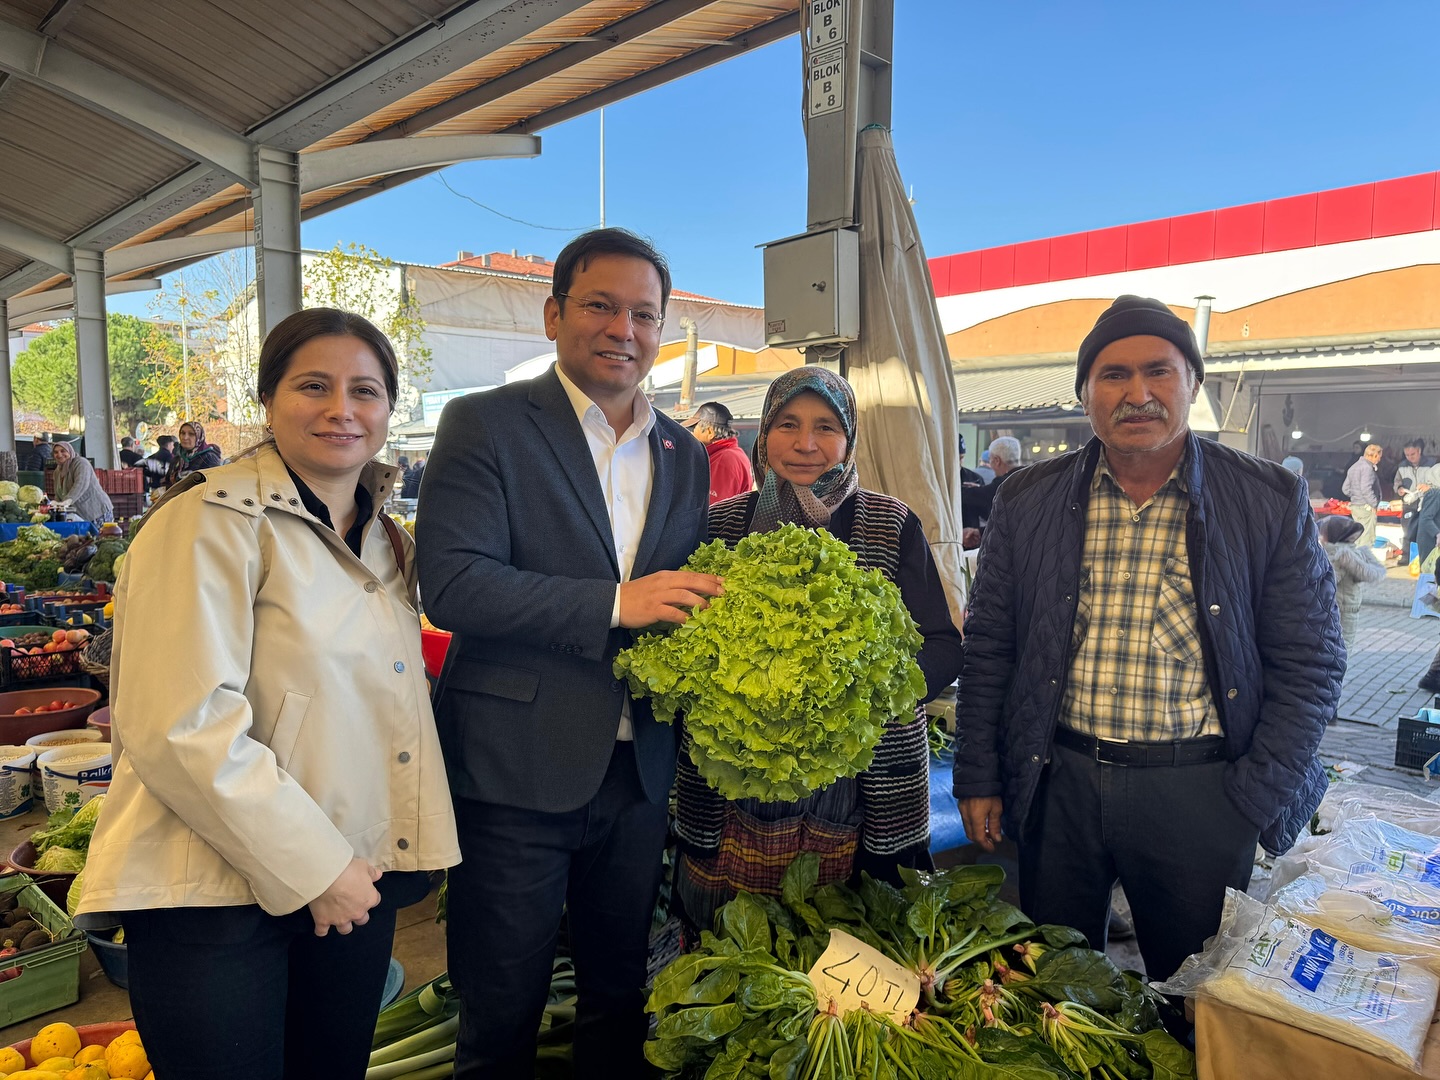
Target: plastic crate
(1417, 740)
(49, 976)
(127, 504)
(120, 481)
(18, 670)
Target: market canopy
(142, 130)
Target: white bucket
(49, 740)
(16, 780)
(73, 775)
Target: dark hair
(163, 441)
(403, 461)
(586, 246)
(295, 330)
(1416, 444)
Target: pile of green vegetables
(785, 682)
(33, 558)
(62, 845)
(1001, 998)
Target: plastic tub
(112, 957)
(23, 859)
(73, 775)
(17, 780)
(90, 1035)
(100, 721)
(51, 740)
(434, 644)
(16, 729)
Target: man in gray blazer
(553, 518)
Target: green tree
(44, 376)
(356, 278)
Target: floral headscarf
(200, 446)
(780, 500)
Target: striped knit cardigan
(895, 790)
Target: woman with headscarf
(77, 484)
(192, 455)
(1353, 566)
(804, 461)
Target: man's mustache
(1151, 410)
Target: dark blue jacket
(1269, 630)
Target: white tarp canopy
(908, 442)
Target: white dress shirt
(626, 477)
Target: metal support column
(848, 49)
(277, 235)
(7, 402)
(96, 409)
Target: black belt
(1144, 754)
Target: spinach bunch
(1001, 998)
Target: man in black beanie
(1151, 656)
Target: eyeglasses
(640, 318)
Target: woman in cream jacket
(278, 788)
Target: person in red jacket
(730, 472)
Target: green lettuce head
(786, 682)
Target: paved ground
(1392, 651)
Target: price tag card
(852, 974)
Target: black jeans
(520, 869)
(1170, 835)
(231, 993)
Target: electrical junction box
(812, 289)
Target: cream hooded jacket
(270, 713)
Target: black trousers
(232, 993)
(519, 871)
(1169, 835)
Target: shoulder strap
(393, 532)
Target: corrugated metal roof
(309, 76)
(1016, 389)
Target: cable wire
(519, 221)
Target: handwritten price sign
(852, 974)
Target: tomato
(23, 711)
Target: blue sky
(1011, 122)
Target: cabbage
(787, 681)
(8, 489)
(72, 897)
(61, 860)
(30, 495)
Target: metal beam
(7, 399)
(97, 410)
(162, 202)
(774, 30)
(54, 23)
(160, 252)
(347, 164)
(469, 33)
(277, 236)
(35, 58)
(621, 32)
(17, 238)
(49, 303)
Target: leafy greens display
(1002, 999)
(786, 682)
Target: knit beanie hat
(1130, 316)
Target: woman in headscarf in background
(192, 455)
(804, 459)
(1353, 566)
(77, 484)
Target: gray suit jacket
(517, 559)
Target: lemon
(90, 1054)
(56, 1064)
(55, 1041)
(11, 1060)
(88, 1072)
(109, 610)
(131, 1036)
(127, 1059)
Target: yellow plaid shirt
(1136, 669)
